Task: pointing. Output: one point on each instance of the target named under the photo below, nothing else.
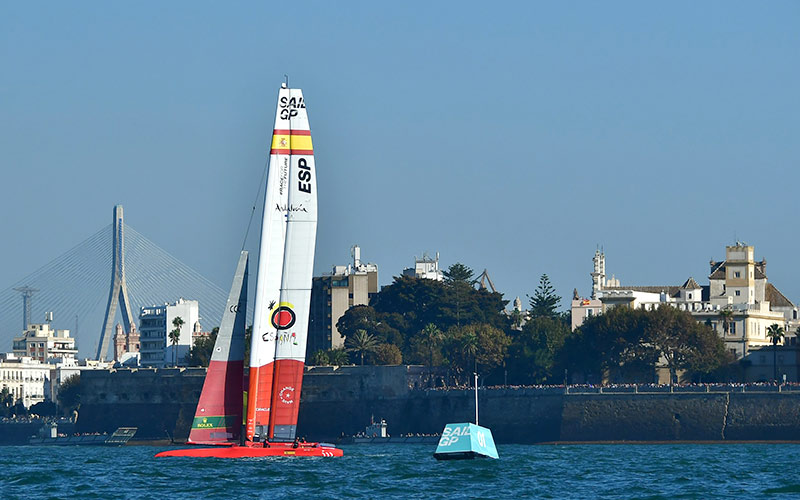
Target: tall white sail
(298, 267)
(270, 272)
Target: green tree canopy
(534, 353)
(627, 344)
(430, 343)
(338, 357)
(545, 301)
(474, 348)
(203, 348)
(6, 402)
(320, 358)
(361, 343)
(360, 317)
(775, 333)
(459, 273)
(44, 409)
(386, 354)
(69, 394)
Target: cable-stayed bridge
(75, 287)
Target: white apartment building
(27, 379)
(42, 343)
(155, 323)
(33, 381)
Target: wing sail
(218, 419)
(293, 313)
(270, 272)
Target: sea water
(408, 471)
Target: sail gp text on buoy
(287, 395)
(451, 435)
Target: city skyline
(517, 143)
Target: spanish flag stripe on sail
(295, 142)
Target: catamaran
(280, 325)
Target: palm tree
(468, 345)
(775, 334)
(727, 316)
(338, 357)
(175, 336)
(361, 342)
(431, 338)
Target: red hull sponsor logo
(287, 395)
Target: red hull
(275, 450)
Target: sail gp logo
(287, 395)
(289, 106)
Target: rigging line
(55, 260)
(255, 202)
(173, 259)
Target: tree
(175, 336)
(775, 334)
(44, 409)
(320, 358)
(430, 340)
(534, 353)
(628, 343)
(474, 347)
(361, 343)
(69, 394)
(387, 354)
(459, 281)
(671, 335)
(459, 273)
(338, 357)
(408, 304)
(6, 402)
(360, 317)
(544, 301)
(203, 348)
(603, 343)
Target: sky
(516, 137)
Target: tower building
(335, 293)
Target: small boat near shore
(377, 433)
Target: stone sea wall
(343, 400)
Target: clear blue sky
(513, 136)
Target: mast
(270, 272)
(292, 315)
(476, 398)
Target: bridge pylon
(118, 295)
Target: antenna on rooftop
(27, 292)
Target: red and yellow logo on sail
(283, 316)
